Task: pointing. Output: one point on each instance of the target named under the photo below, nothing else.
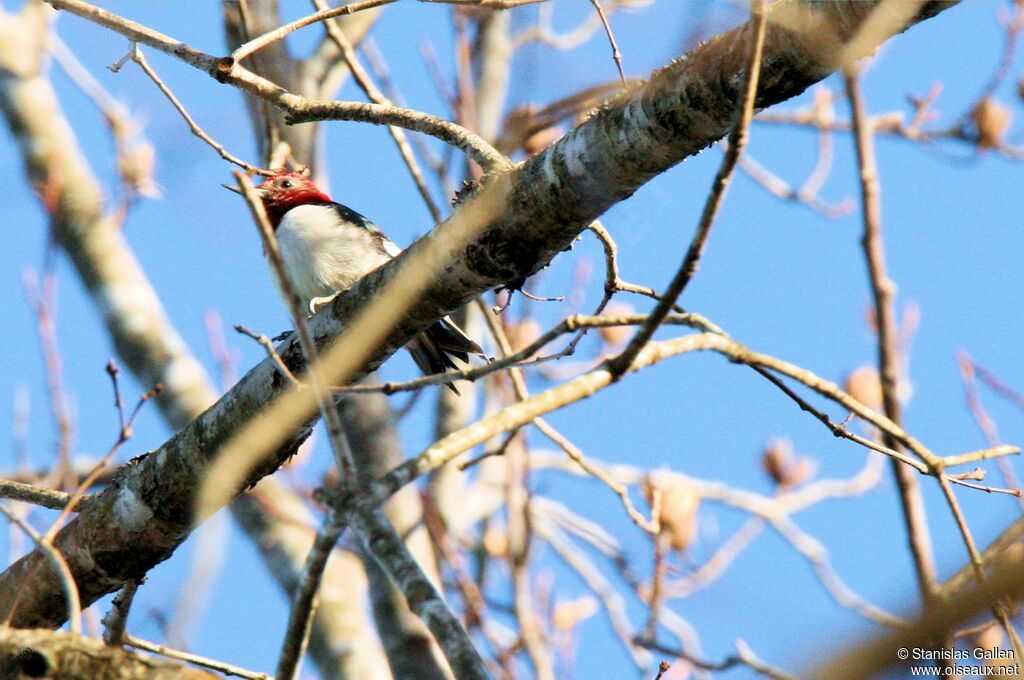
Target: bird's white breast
(324, 254)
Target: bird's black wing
(433, 349)
(349, 215)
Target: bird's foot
(318, 303)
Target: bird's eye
(287, 184)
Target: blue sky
(777, 276)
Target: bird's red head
(285, 191)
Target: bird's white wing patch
(389, 247)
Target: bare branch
(195, 659)
(136, 55)
(300, 618)
(279, 33)
(882, 289)
(28, 493)
(616, 55)
(117, 618)
(227, 69)
(60, 567)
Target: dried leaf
(785, 468)
(992, 120)
(617, 335)
(677, 502)
(864, 385)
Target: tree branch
(44, 653)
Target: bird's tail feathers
(433, 349)
(453, 340)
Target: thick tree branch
(64, 656)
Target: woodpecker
(326, 247)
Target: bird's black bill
(232, 187)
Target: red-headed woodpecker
(327, 247)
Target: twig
(499, 450)
(475, 603)
(840, 430)
(656, 593)
(613, 283)
(116, 619)
(381, 540)
(983, 419)
(586, 385)
(982, 454)
(300, 618)
(755, 662)
(28, 493)
(568, 325)
(885, 324)
(573, 38)
(374, 94)
(270, 37)
(123, 435)
(715, 566)
(891, 124)
(224, 356)
(42, 297)
(779, 187)
(817, 555)
(961, 480)
(381, 70)
(1013, 25)
(999, 609)
(298, 109)
(194, 659)
(826, 388)
(934, 467)
(775, 511)
(611, 599)
(999, 387)
(45, 541)
(136, 55)
(651, 526)
(134, 152)
(268, 345)
(743, 657)
(60, 566)
(487, 4)
(616, 55)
